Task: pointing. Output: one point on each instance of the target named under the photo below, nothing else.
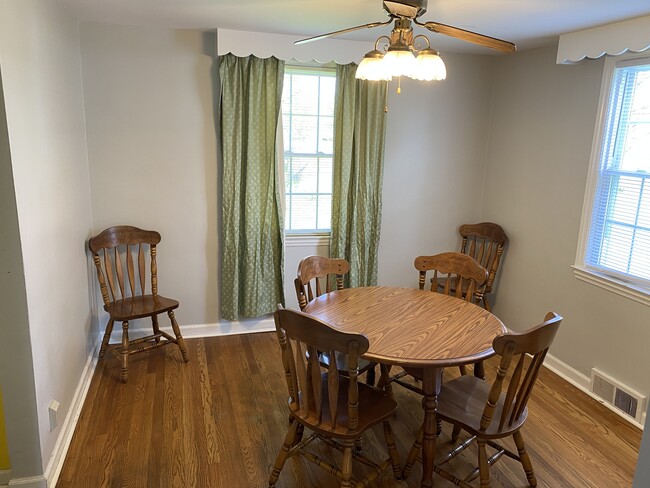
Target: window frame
(307, 235)
(617, 283)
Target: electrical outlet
(53, 410)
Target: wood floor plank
(220, 420)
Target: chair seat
(374, 407)
(462, 401)
(139, 306)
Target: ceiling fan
(403, 12)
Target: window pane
(616, 248)
(644, 211)
(640, 261)
(307, 108)
(325, 175)
(304, 94)
(636, 152)
(304, 177)
(625, 199)
(304, 134)
(325, 211)
(287, 175)
(327, 89)
(326, 135)
(303, 212)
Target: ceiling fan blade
(465, 35)
(343, 31)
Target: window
(308, 127)
(615, 242)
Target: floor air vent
(615, 393)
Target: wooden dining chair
(489, 412)
(485, 242)
(318, 275)
(119, 256)
(452, 272)
(336, 408)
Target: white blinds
(619, 239)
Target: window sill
(300, 240)
(622, 288)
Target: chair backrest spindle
(301, 337)
(485, 242)
(112, 252)
(515, 347)
(464, 277)
(313, 272)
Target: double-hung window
(614, 247)
(308, 127)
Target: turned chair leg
(106, 339)
(384, 380)
(524, 458)
(358, 445)
(370, 377)
(156, 328)
(179, 338)
(392, 451)
(413, 454)
(346, 464)
(289, 442)
(483, 466)
(125, 351)
(479, 370)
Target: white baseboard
(31, 482)
(53, 470)
(249, 326)
(583, 382)
(70, 423)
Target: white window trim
(633, 291)
(298, 240)
(606, 282)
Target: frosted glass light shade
(429, 66)
(372, 68)
(399, 62)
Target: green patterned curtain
(359, 133)
(252, 239)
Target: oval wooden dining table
(413, 328)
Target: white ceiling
(528, 23)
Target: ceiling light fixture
(403, 56)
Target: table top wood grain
(411, 327)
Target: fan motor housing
(405, 8)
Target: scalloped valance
(265, 45)
(613, 39)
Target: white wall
(149, 95)
(542, 127)
(436, 145)
(152, 151)
(16, 372)
(40, 59)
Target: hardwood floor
(220, 420)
